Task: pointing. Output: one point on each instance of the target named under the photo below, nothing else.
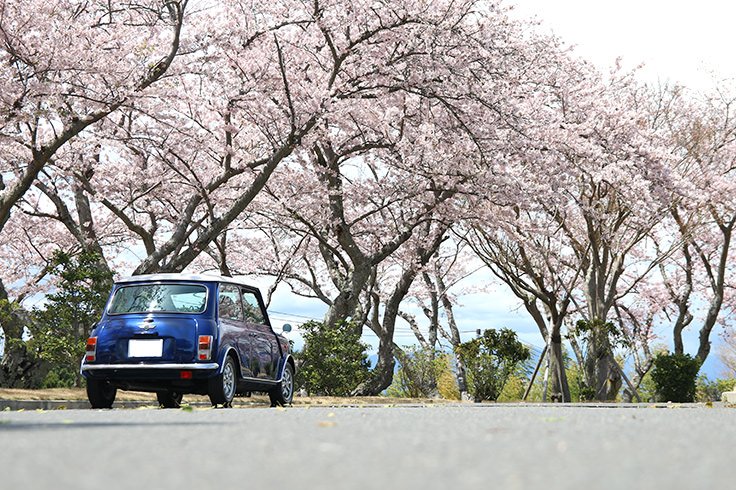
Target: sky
(685, 42)
(690, 43)
(676, 41)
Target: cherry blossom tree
(174, 171)
(64, 67)
(364, 216)
(67, 66)
(727, 354)
(525, 253)
(593, 183)
(702, 133)
(255, 84)
(335, 145)
(436, 295)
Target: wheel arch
(230, 352)
(290, 361)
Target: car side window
(253, 311)
(229, 303)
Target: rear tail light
(204, 352)
(90, 351)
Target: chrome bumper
(182, 367)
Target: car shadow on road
(11, 425)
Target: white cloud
(681, 41)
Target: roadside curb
(13, 405)
(30, 405)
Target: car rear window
(168, 298)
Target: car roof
(182, 277)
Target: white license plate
(145, 348)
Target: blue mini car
(174, 334)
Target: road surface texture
(424, 447)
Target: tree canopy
(367, 154)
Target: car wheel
(222, 387)
(169, 399)
(100, 393)
(283, 394)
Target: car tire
(100, 393)
(169, 399)
(283, 394)
(222, 387)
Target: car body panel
(179, 335)
(260, 352)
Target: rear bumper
(183, 377)
(137, 367)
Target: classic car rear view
(174, 334)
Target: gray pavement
(453, 447)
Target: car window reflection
(167, 298)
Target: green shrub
(579, 389)
(674, 377)
(490, 360)
(333, 361)
(418, 373)
(447, 380)
(647, 389)
(513, 390)
(59, 378)
(711, 391)
(60, 329)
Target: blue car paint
(180, 333)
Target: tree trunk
(708, 324)
(460, 374)
(383, 373)
(462, 378)
(347, 302)
(560, 390)
(19, 367)
(601, 374)
(628, 395)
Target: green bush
(418, 373)
(60, 329)
(647, 389)
(674, 377)
(333, 361)
(579, 389)
(490, 360)
(59, 378)
(447, 380)
(21, 366)
(514, 388)
(711, 391)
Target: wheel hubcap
(287, 385)
(228, 380)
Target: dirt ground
(80, 394)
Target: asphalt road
(435, 447)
